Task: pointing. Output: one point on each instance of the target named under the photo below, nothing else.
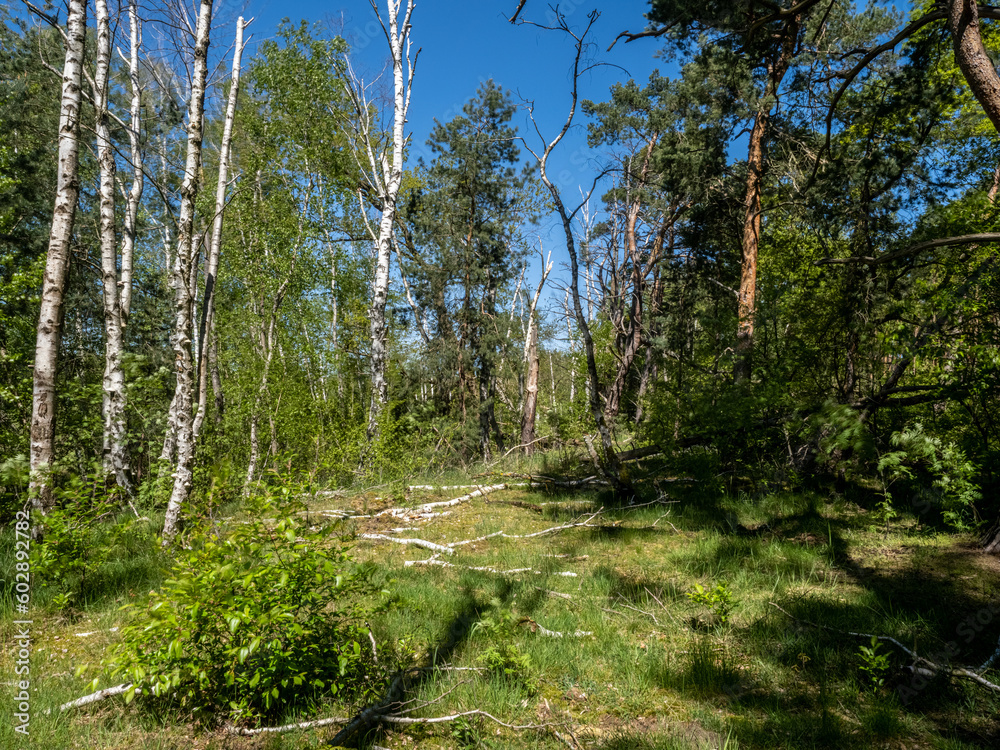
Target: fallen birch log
(244, 732)
(415, 542)
(449, 548)
(556, 634)
(484, 568)
(98, 696)
(420, 509)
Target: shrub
(84, 537)
(718, 600)
(252, 623)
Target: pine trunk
(972, 58)
(743, 366)
(756, 166)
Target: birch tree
(183, 278)
(50, 318)
(383, 173)
(117, 290)
(215, 245)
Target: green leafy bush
(947, 482)
(506, 661)
(252, 623)
(718, 600)
(87, 540)
(874, 663)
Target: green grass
(658, 670)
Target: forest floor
(603, 645)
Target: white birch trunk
(50, 318)
(391, 178)
(215, 245)
(129, 228)
(184, 292)
(115, 459)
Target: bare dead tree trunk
(215, 245)
(50, 317)
(610, 463)
(531, 357)
(629, 338)
(530, 389)
(184, 291)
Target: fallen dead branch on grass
(449, 549)
(415, 542)
(98, 695)
(536, 627)
(930, 668)
(429, 507)
(245, 732)
(485, 568)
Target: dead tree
(609, 461)
(532, 362)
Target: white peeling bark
(398, 33)
(138, 176)
(184, 291)
(115, 460)
(50, 318)
(215, 244)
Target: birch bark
(390, 179)
(116, 292)
(215, 244)
(184, 291)
(50, 318)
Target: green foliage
(503, 659)
(718, 600)
(874, 663)
(942, 475)
(507, 662)
(251, 623)
(83, 537)
(466, 733)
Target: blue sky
(465, 43)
